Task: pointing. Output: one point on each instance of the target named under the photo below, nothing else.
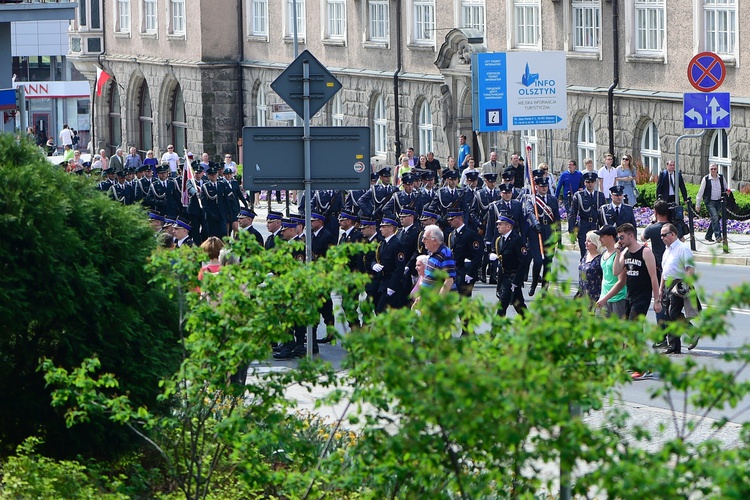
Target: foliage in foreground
(436, 417)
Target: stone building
(193, 73)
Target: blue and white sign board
(707, 110)
(519, 91)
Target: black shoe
(289, 352)
(694, 343)
(659, 345)
(675, 348)
(709, 238)
(534, 283)
(493, 281)
(327, 339)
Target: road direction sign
(707, 110)
(706, 72)
(519, 91)
(273, 158)
(290, 85)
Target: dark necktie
(342, 238)
(671, 181)
(617, 213)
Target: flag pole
(532, 185)
(189, 167)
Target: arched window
(380, 127)
(115, 118)
(179, 123)
(337, 111)
(145, 119)
(529, 137)
(719, 153)
(260, 108)
(650, 150)
(425, 129)
(586, 140)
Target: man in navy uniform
(467, 248)
(427, 191)
(322, 240)
(181, 231)
(214, 196)
(235, 198)
(245, 220)
(511, 255)
(408, 198)
(390, 262)
(121, 191)
(371, 203)
(616, 213)
(584, 210)
(273, 224)
(547, 224)
(194, 210)
(448, 198)
(508, 206)
(370, 232)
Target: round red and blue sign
(706, 72)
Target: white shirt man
(607, 174)
(66, 136)
(172, 158)
(678, 265)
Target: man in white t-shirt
(607, 175)
(172, 158)
(66, 136)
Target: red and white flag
(102, 77)
(187, 176)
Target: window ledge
(122, 34)
(177, 37)
(334, 42)
(149, 34)
(575, 54)
(421, 47)
(290, 39)
(371, 44)
(257, 38)
(646, 59)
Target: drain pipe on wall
(240, 74)
(397, 116)
(616, 77)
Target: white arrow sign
(717, 112)
(694, 115)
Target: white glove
(493, 257)
(377, 267)
(468, 279)
(513, 288)
(467, 261)
(406, 270)
(390, 291)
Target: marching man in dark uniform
(409, 236)
(616, 213)
(105, 184)
(547, 224)
(121, 191)
(141, 185)
(235, 198)
(157, 195)
(448, 198)
(484, 198)
(509, 207)
(467, 248)
(181, 232)
(322, 240)
(370, 232)
(471, 217)
(427, 191)
(584, 210)
(408, 198)
(194, 210)
(273, 224)
(390, 261)
(372, 202)
(245, 220)
(511, 255)
(214, 196)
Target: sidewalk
(738, 245)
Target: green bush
(73, 285)
(647, 198)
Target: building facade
(193, 73)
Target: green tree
(73, 285)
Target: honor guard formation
(422, 217)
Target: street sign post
(707, 110)
(340, 158)
(289, 85)
(706, 72)
(519, 91)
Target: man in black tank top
(640, 265)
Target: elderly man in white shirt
(172, 158)
(677, 266)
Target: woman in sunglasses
(625, 177)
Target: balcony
(36, 10)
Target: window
(586, 25)
(259, 25)
(300, 18)
(337, 110)
(115, 118)
(336, 19)
(719, 154)
(179, 123)
(472, 14)
(424, 22)
(149, 16)
(586, 140)
(379, 129)
(378, 20)
(720, 22)
(178, 20)
(527, 23)
(650, 151)
(649, 26)
(145, 119)
(425, 128)
(260, 108)
(529, 138)
(123, 16)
